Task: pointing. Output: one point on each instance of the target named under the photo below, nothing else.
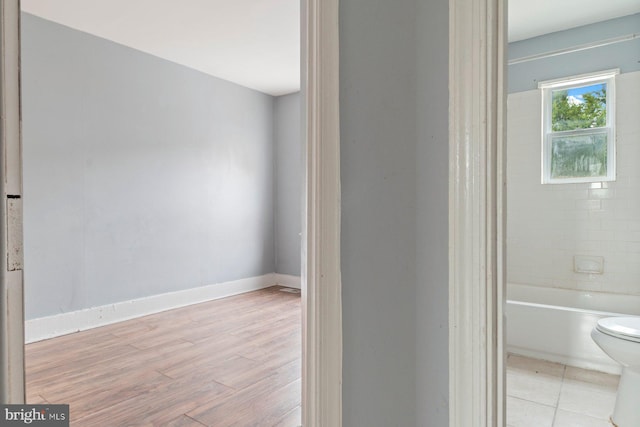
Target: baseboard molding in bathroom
(75, 321)
(609, 368)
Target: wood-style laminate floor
(230, 362)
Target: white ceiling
(256, 43)
(529, 18)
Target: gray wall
(140, 176)
(289, 177)
(432, 214)
(624, 55)
(394, 155)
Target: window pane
(581, 107)
(579, 156)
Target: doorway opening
(150, 185)
(554, 59)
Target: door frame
(477, 214)
(12, 389)
(321, 290)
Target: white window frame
(606, 77)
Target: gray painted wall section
(623, 55)
(140, 176)
(289, 177)
(394, 156)
(432, 217)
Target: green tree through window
(587, 110)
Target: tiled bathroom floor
(546, 394)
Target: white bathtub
(555, 324)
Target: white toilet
(619, 337)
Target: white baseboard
(593, 365)
(75, 321)
(288, 280)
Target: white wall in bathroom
(548, 224)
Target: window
(578, 129)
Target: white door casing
(477, 77)
(12, 388)
(321, 294)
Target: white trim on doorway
(477, 80)
(11, 290)
(321, 289)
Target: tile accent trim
(80, 320)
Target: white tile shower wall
(548, 224)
